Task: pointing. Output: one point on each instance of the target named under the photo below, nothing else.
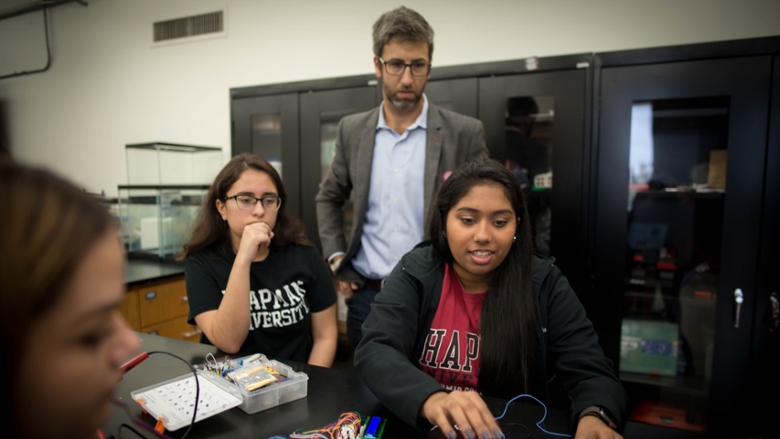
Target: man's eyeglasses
(396, 68)
(248, 202)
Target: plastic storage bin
(295, 387)
(271, 395)
(169, 399)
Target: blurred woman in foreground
(62, 280)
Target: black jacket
(401, 315)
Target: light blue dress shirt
(394, 220)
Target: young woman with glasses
(473, 312)
(255, 283)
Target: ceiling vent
(183, 28)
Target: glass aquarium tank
(167, 184)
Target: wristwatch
(599, 413)
(334, 266)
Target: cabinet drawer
(130, 310)
(162, 302)
(177, 328)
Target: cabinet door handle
(185, 299)
(190, 334)
(774, 312)
(738, 299)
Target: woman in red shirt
(473, 312)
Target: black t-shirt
(285, 289)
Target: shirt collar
(421, 121)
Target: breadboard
(174, 400)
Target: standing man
(395, 157)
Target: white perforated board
(173, 400)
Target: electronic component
(252, 376)
(347, 426)
(173, 401)
(134, 362)
(374, 427)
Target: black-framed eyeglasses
(248, 202)
(396, 68)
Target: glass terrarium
(167, 186)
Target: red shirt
(451, 351)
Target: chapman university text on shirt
(278, 308)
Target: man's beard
(402, 104)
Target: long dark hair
(46, 229)
(508, 328)
(211, 230)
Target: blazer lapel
(365, 157)
(432, 156)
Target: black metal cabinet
(321, 112)
(268, 126)
(458, 95)
(663, 209)
(678, 214)
(765, 362)
(535, 122)
(297, 122)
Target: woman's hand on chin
(466, 409)
(255, 237)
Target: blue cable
(538, 424)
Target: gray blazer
(452, 139)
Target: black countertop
(330, 392)
(140, 271)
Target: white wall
(107, 86)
